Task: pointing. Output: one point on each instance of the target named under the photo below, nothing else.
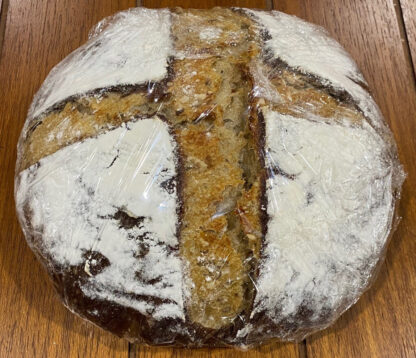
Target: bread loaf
(207, 178)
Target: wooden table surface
(37, 34)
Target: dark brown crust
(261, 128)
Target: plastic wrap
(207, 178)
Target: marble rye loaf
(207, 177)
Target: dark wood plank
(273, 350)
(408, 10)
(382, 323)
(33, 323)
(3, 17)
(288, 350)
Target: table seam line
(3, 21)
(404, 36)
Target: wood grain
(33, 322)
(383, 322)
(287, 350)
(408, 10)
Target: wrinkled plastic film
(207, 178)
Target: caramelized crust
(193, 90)
(299, 96)
(79, 119)
(221, 228)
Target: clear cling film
(207, 178)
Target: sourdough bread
(207, 177)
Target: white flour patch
(78, 197)
(131, 47)
(210, 33)
(330, 206)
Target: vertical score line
(404, 37)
